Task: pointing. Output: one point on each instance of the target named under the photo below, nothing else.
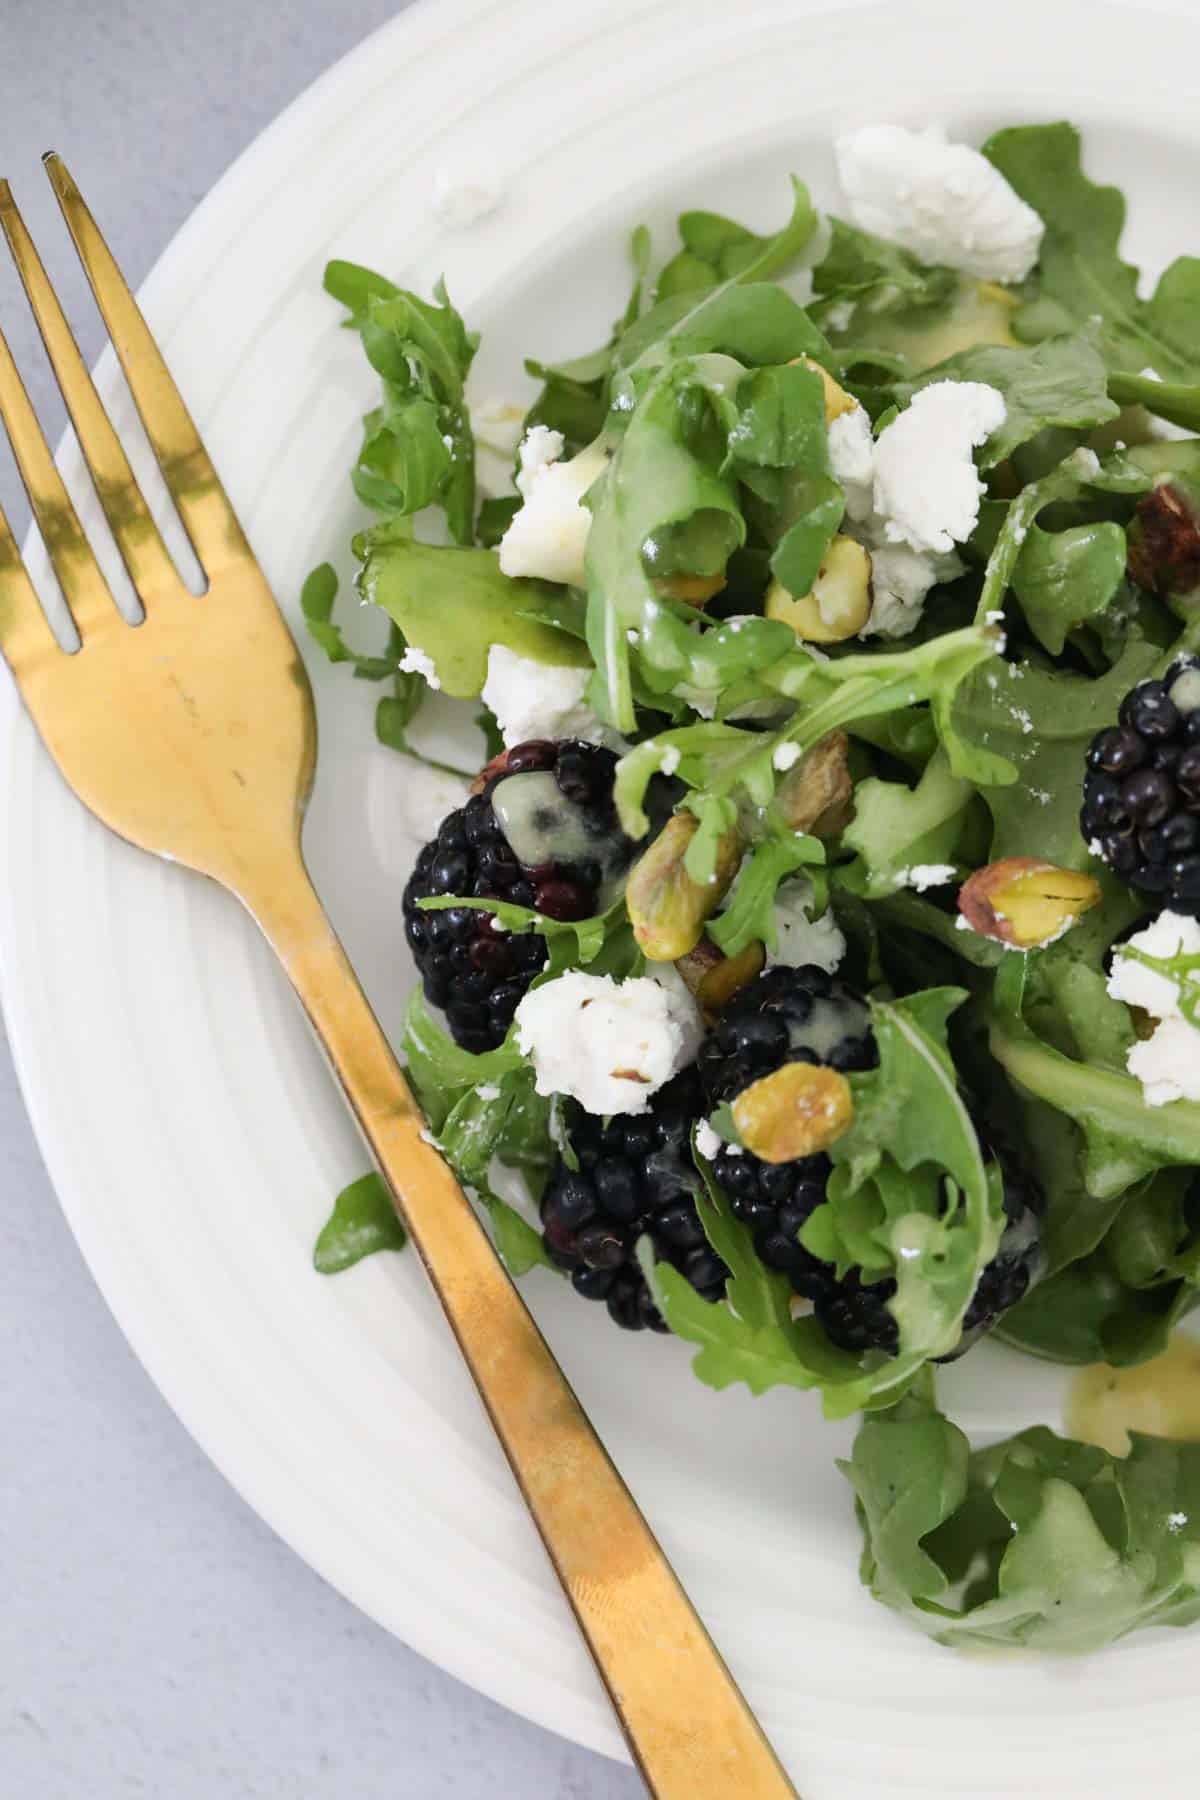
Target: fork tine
(145, 555)
(204, 507)
(79, 575)
(25, 635)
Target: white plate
(187, 1122)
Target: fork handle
(689, 1728)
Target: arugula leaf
(733, 761)
(896, 828)
(439, 1071)
(417, 446)
(910, 1121)
(874, 274)
(1088, 1313)
(656, 483)
(755, 331)
(454, 604)
(1041, 721)
(716, 249)
(749, 914)
(1177, 401)
(1062, 382)
(317, 598)
(1126, 1138)
(363, 1221)
(589, 934)
(1080, 272)
(1063, 1546)
(750, 1335)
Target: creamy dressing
(826, 1026)
(1185, 691)
(543, 826)
(1160, 1397)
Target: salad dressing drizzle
(1160, 1397)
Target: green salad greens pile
(706, 532)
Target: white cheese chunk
(609, 1045)
(1171, 934)
(548, 535)
(1168, 1064)
(852, 459)
(799, 939)
(945, 202)
(416, 662)
(927, 488)
(540, 700)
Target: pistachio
(1024, 902)
(667, 909)
(839, 603)
(797, 1110)
(728, 977)
(837, 400)
(712, 978)
(694, 589)
(817, 793)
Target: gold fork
(192, 735)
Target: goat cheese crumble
(547, 537)
(609, 1045)
(927, 488)
(927, 875)
(533, 699)
(1167, 1063)
(416, 662)
(945, 202)
(799, 939)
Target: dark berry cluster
(476, 972)
(1141, 794)
(635, 1178)
(806, 1015)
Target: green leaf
(1065, 578)
(1067, 1548)
(769, 328)
(1041, 722)
(363, 1221)
(439, 1070)
(1126, 1137)
(896, 828)
(749, 914)
(317, 598)
(732, 761)
(417, 447)
(910, 1117)
(1080, 275)
(454, 604)
(589, 934)
(658, 482)
(715, 249)
(1062, 383)
(750, 1335)
(877, 275)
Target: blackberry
(635, 1178)
(1141, 793)
(786, 1015)
(803, 1014)
(542, 832)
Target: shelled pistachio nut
(1025, 903)
(667, 908)
(838, 604)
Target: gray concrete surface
(155, 1638)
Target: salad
(811, 968)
